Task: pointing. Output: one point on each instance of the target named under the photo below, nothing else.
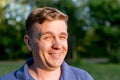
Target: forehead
(56, 26)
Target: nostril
(56, 45)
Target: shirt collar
(23, 72)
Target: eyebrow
(62, 33)
(48, 32)
(40, 34)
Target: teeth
(56, 54)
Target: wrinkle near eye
(63, 37)
(47, 37)
(50, 36)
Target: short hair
(41, 15)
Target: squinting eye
(47, 38)
(63, 37)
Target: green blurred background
(94, 32)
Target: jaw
(56, 59)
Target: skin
(49, 47)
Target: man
(47, 40)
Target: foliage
(93, 27)
(12, 32)
(105, 18)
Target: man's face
(49, 44)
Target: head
(47, 37)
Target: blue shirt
(68, 73)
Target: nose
(56, 44)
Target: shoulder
(76, 73)
(22, 73)
(9, 76)
(80, 73)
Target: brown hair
(41, 15)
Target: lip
(55, 55)
(55, 52)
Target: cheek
(35, 47)
(44, 46)
(65, 44)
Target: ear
(27, 42)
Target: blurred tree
(15, 13)
(105, 20)
(12, 30)
(2, 5)
(93, 27)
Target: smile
(55, 55)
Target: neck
(41, 74)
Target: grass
(8, 66)
(98, 71)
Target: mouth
(55, 55)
